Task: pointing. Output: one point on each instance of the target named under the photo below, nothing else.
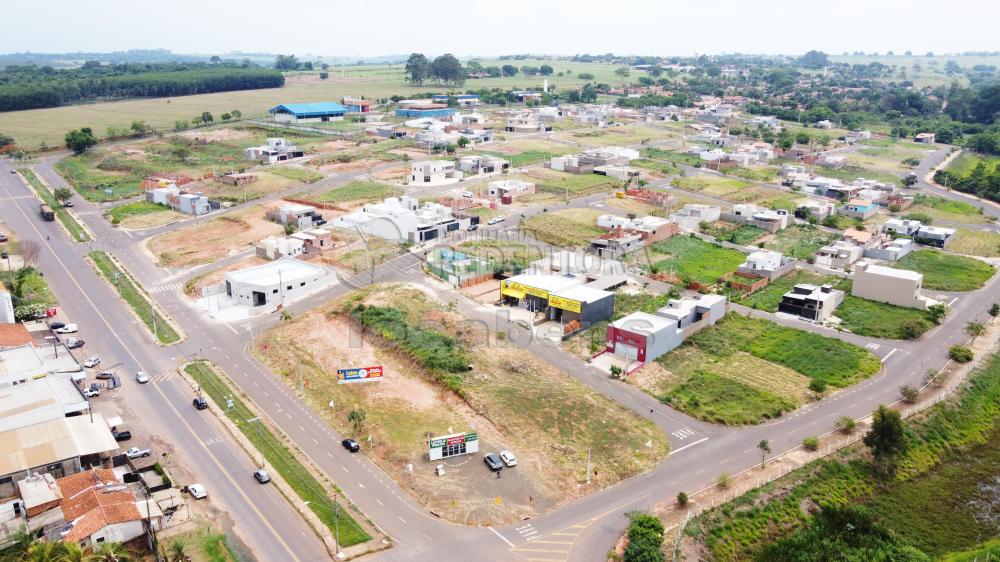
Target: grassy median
(77, 233)
(142, 307)
(279, 457)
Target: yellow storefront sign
(512, 288)
(565, 304)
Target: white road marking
(888, 355)
(378, 501)
(675, 451)
(503, 538)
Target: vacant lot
(546, 418)
(946, 210)
(800, 240)
(745, 370)
(506, 255)
(213, 239)
(693, 260)
(709, 184)
(983, 243)
(143, 214)
(945, 272)
(354, 193)
(351, 254)
(552, 185)
(742, 234)
(851, 172)
(888, 155)
(966, 162)
(623, 135)
(565, 227)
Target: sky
(487, 28)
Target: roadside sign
(366, 374)
(451, 445)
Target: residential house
(525, 95)
(644, 337)
(814, 208)
(924, 138)
(295, 214)
(934, 235)
(98, 508)
(839, 255)
(402, 219)
(180, 201)
(824, 124)
(434, 172)
(7, 317)
(833, 161)
(651, 229)
(508, 190)
(811, 302)
(276, 149)
(482, 164)
(617, 243)
(571, 163)
(692, 215)
(859, 135)
(766, 264)
(902, 227)
(308, 112)
(899, 287)
(618, 172)
(274, 247)
(890, 250)
(526, 124)
(237, 179)
(314, 239)
(859, 208)
(771, 220)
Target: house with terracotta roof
(14, 335)
(99, 508)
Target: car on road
(200, 403)
(261, 476)
(74, 343)
(66, 329)
(91, 392)
(472, 227)
(351, 445)
(3, 237)
(468, 194)
(122, 435)
(105, 375)
(496, 219)
(92, 361)
(141, 377)
(68, 203)
(136, 452)
(57, 325)
(198, 491)
(493, 462)
(508, 458)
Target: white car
(508, 458)
(136, 452)
(92, 361)
(468, 194)
(91, 392)
(496, 219)
(141, 377)
(67, 329)
(198, 491)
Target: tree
(286, 62)
(622, 72)
(180, 125)
(887, 439)
(324, 75)
(909, 181)
(357, 419)
(909, 393)
(206, 117)
(112, 552)
(975, 329)
(236, 113)
(463, 142)
(814, 59)
(765, 449)
(960, 353)
(447, 68)
(79, 140)
(545, 70)
(30, 250)
(682, 499)
(417, 68)
(645, 538)
(585, 76)
(846, 424)
(616, 371)
(817, 386)
(62, 195)
(994, 310)
(6, 140)
(588, 94)
(509, 70)
(226, 116)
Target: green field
(693, 260)
(551, 184)
(744, 234)
(320, 500)
(298, 174)
(122, 212)
(800, 241)
(505, 255)
(946, 210)
(564, 227)
(141, 305)
(966, 162)
(852, 172)
(76, 231)
(946, 272)
(358, 191)
(983, 243)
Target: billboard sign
(451, 445)
(365, 374)
(565, 304)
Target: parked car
(68, 203)
(66, 329)
(57, 325)
(105, 375)
(473, 227)
(122, 435)
(496, 219)
(74, 343)
(197, 491)
(508, 458)
(468, 194)
(141, 377)
(200, 403)
(261, 476)
(92, 361)
(3, 237)
(136, 452)
(351, 445)
(91, 392)
(493, 462)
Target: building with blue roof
(464, 100)
(308, 112)
(425, 111)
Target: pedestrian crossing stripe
(554, 546)
(166, 287)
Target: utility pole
(152, 313)
(260, 439)
(588, 466)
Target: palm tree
(20, 541)
(112, 552)
(73, 552)
(44, 551)
(176, 552)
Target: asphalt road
(580, 530)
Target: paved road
(582, 529)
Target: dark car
(493, 461)
(105, 375)
(351, 445)
(261, 476)
(57, 325)
(473, 227)
(200, 403)
(122, 435)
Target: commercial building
(44, 399)
(356, 105)
(13, 335)
(444, 446)
(811, 302)
(463, 100)
(434, 172)
(402, 219)
(422, 108)
(308, 112)
(562, 298)
(898, 287)
(24, 362)
(643, 337)
(275, 283)
(276, 149)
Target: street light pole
(336, 522)
(260, 439)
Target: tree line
(32, 88)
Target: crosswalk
(128, 379)
(527, 532)
(89, 213)
(166, 287)
(683, 433)
(551, 547)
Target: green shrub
(811, 443)
(960, 353)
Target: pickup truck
(136, 452)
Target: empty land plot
(355, 192)
(718, 186)
(966, 162)
(742, 234)
(887, 155)
(852, 172)
(946, 272)
(506, 255)
(636, 206)
(800, 240)
(213, 239)
(693, 259)
(947, 210)
(562, 184)
(565, 227)
(143, 214)
(983, 243)
(364, 154)
(352, 254)
(621, 135)
(771, 366)
(548, 419)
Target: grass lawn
(298, 174)
(358, 191)
(719, 186)
(564, 227)
(981, 243)
(562, 184)
(840, 222)
(673, 157)
(76, 232)
(278, 455)
(851, 172)
(946, 272)
(122, 213)
(141, 305)
(508, 255)
(202, 544)
(966, 162)
(693, 259)
(744, 234)
(946, 210)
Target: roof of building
(12, 335)
(285, 270)
(582, 293)
(860, 202)
(891, 272)
(93, 500)
(548, 283)
(861, 236)
(51, 441)
(40, 400)
(38, 489)
(643, 322)
(317, 109)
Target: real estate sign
(518, 290)
(365, 374)
(565, 304)
(451, 445)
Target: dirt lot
(193, 287)
(333, 146)
(543, 416)
(212, 240)
(349, 255)
(345, 167)
(213, 135)
(393, 173)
